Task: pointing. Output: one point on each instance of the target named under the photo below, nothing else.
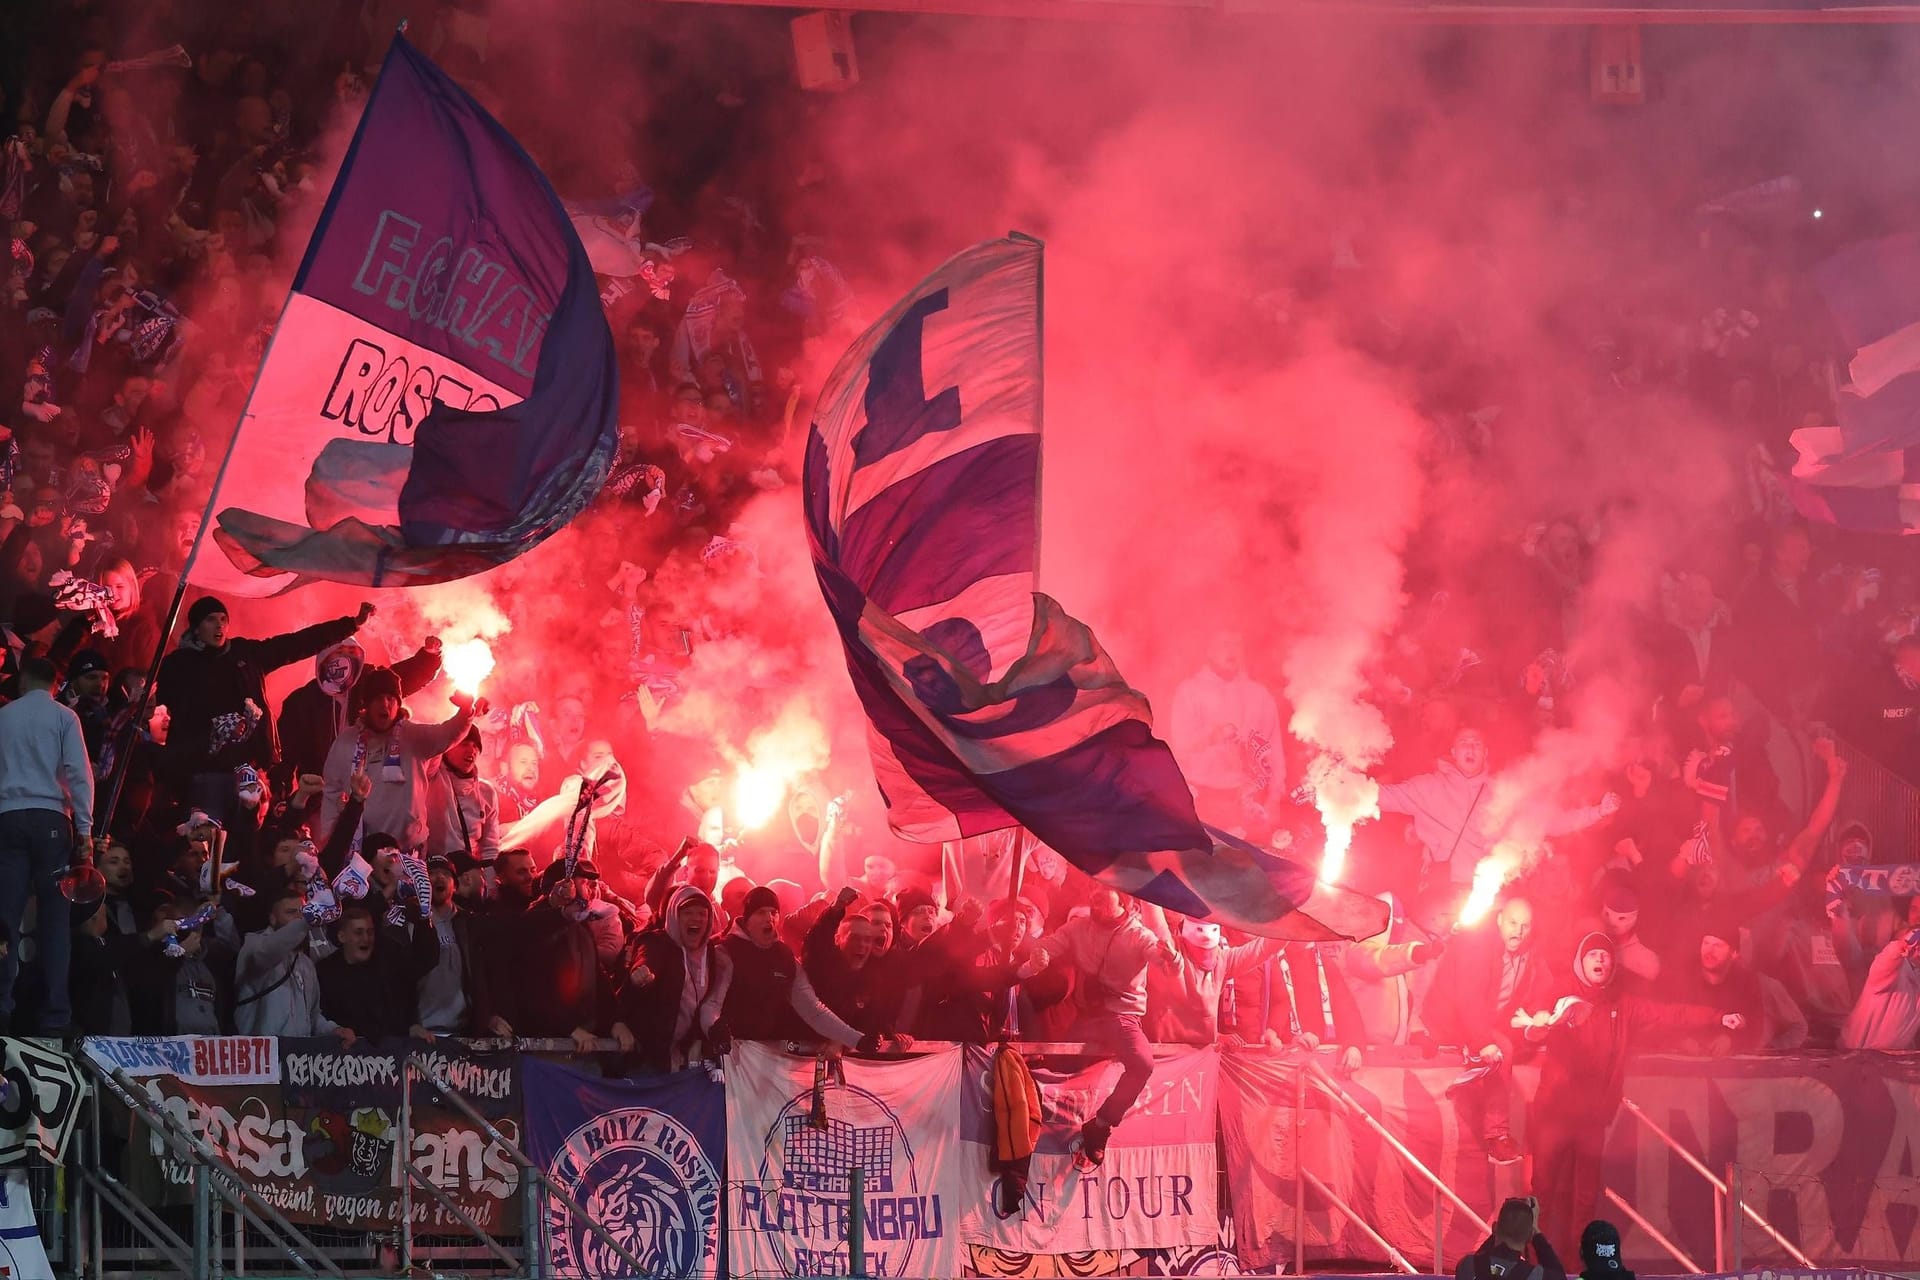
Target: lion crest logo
(643, 1176)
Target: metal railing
(1728, 1207)
(212, 1176)
(1351, 1106)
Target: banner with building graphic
(796, 1131)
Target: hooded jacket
(198, 685)
(1584, 1069)
(277, 991)
(311, 717)
(684, 1001)
(396, 806)
(1183, 999)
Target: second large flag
(989, 705)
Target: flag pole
(141, 705)
(1039, 471)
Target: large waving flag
(1863, 472)
(989, 705)
(440, 392)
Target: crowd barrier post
(529, 1170)
(1724, 1200)
(299, 1250)
(202, 1223)
(1366, 1228)
(857, 1223)
(533, 1230)
(405, 1156)
(1735, 1228)
(1299, 1171)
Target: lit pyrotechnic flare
(1490, 875)
(775, 761)
(1345, 797)
(758, 793)
(467, 664)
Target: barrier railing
(1351, 1106)
(1723, 1199)
(214, 1176)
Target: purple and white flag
(989, 705)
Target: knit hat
(201, 608)
(1600, 1246)
(85, 663)
(32, 613)
(759, 898)
(909, 901)
(375, 681)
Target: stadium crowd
(326, 864)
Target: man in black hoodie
(215, 693)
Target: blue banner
(644, 1159)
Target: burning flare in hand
(1345, 797)
(1490, 875)
(467, 664)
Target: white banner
(22, 1256)
(40, 1105)
(788, 1178)
(1156, 1188)
(189, 1059)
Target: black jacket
(380, 997)
(760, 1000)
(198, 685)
(536, 969)
(866, 999)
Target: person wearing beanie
(85, 691)
(1516, 1230)
(396, 754)
(214, 688)
(1720, 978)
(1600, 1252)
(320, 710)
(1583, 1072)
(771, 997)
(463, 810)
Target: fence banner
(38, 1114)
(1156, 1188)
(788, 1164)
(320, 1142)
(643, 1158)
(194, 1059)
(1827, 1145)
(22, 1256)
(1256, 1122)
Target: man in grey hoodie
(277, 992)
